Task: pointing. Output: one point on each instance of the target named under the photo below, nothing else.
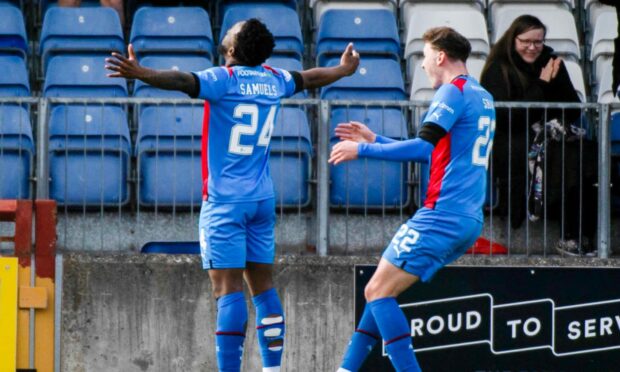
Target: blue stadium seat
(14, 77)
(86, 76)
(13, 39)
(289, 64)
(173, 62)
(171, 247)
(373, 31)
(374, 79)
(223, 5)
(282, 21)
(177, 30)
(168, 150)
(290, 158)
(82, 31)
(369, 183)
(16, 152)
(615, 134)
(89, 150)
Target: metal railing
(350, 209)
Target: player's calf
(270, 329)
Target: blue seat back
(14, 77)
(81, 76)
(290, 158)
(281, 20)
(168, 149)
(373, 31)
(87, 142)
(615, 134)
(172, 30)
(374, 79)
(80, 30)
(16, 152)
(369, 183)
(13, 37)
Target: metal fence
(128, 171)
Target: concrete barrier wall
(155, 313)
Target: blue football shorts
(430, 240)
(232, 234)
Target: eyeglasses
(529, 43)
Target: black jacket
(559, 89)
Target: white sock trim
(342, 370)
(271, 369)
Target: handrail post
(42, 175)
(604, 183)
(322, 209)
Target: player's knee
(375, 290)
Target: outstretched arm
(129, 68)
(321, 76)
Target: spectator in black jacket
(616, 60)
(521, 67)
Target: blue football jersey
(459, 162)
(241, 105)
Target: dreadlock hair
(253, 43)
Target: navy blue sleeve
(416, 149)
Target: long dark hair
(503, 51)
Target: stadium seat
(593, 9)
(370, 183)
(14, 77)
(602, 45)
(561, 27)
(462, 17)
(168, 148)
(13, 39)
(373, 31)
(186, 63)
(321, 6)
(290, 158)
(165, 30)
(421, 89)
(282, 21)
(441, 6)
(605, 93)
(223, 5)
(288, 64)
(16, 152)
(89, 153)
(374, 79)
(171, 247)
(576, 77)
(74, 76)
(80, 31)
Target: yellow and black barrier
(27, 293)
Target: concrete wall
(154, 313)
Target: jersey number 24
(241, 129)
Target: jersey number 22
(484, 142)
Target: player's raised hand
(355, 131)
(343, 151)
(125, 67)
(350, 59)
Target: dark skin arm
(129, 68)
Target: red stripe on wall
(439, 162)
